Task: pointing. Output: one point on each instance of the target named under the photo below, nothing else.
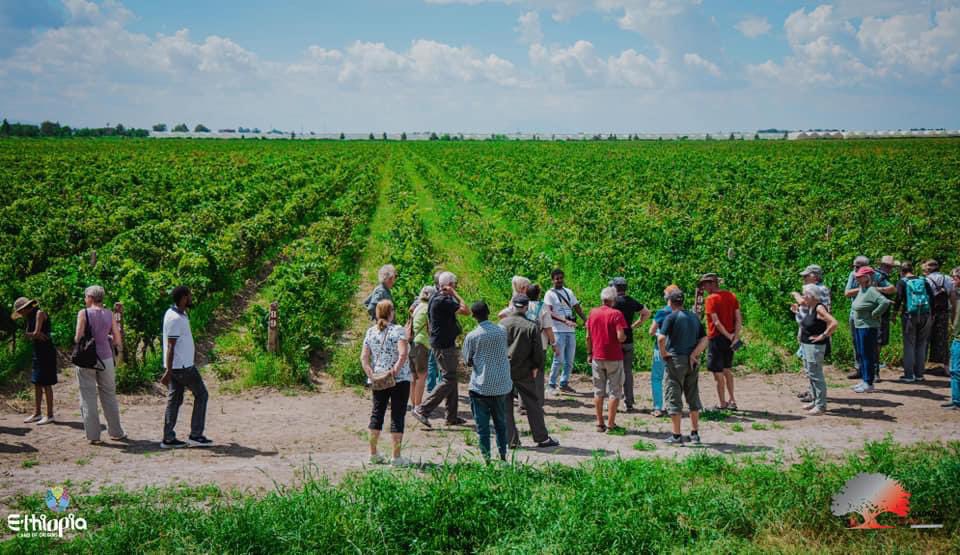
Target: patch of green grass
(470, 438)
(644, 445)
(84, 461)
(29, 463)
(736, 427)
(776, 426)
(617, 432)
(705, 503)
(758, 426)
(715, 415)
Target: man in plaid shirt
(485, 350)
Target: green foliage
(665, 212)
(193, 213)
(702, 504)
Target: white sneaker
(378, 459)
(401, 461)
(816, 411)
(45, 420)
(809, 406)
(32, 419)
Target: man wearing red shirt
(724, 322)
(606, 330)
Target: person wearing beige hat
(44, 376)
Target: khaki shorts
(608, 378)
(681, 382)
(418, 359)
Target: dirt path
(267, 437)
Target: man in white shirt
(564, 308)
(180, 373)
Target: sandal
(601, 428)
(732, 406)
(720, 407)
(657, 413)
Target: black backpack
(84, 353)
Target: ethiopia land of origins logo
(38, 526)
(870, 495)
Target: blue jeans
(566, 351)
(656, 379)
(432, 374)
(484, 408)
(955, 372)
(867, 348)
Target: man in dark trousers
(635, 314)
(443, 309)
(526, 361)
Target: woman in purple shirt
(100, 381)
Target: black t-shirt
(444, 327)
(629, 307)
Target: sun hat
(709, 277)
(888, 260)
(20, 305)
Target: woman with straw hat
(44, 375)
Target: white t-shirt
(177, 326)
(562, 305)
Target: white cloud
(580, 65)
(902, 44)
(804, 27)
(827, 48)
(695, 60)
(753, 27)
(528, 26)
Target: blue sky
(484, 65)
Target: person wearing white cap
(913, 295)
(812, 275)
(44, 375)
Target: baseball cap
(618, 282)
(812, 269)
(675, 296)
(864, 271)
(520, 300)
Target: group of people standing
(926, 305)
(98, 382)
(507, 360)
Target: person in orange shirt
(724, 323)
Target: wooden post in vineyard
(273, 338)
(118, 316)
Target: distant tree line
(54, 129)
